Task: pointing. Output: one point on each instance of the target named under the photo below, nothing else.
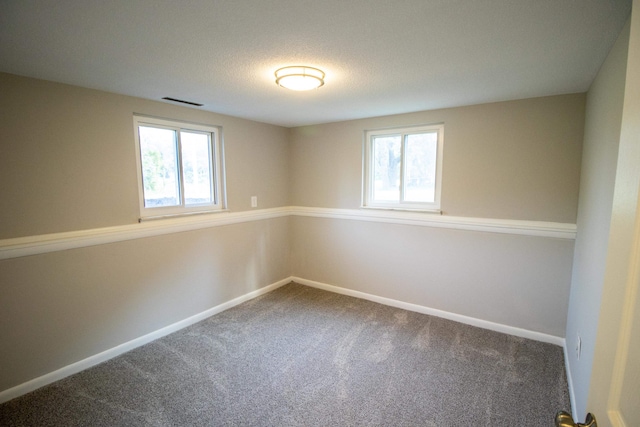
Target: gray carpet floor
(299, 356)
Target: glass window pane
(420, 167)
(386, 168)
(159, 167)
(196, 167)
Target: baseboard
(572, 396)
(505, 329)
(81, 365)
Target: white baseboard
(91, 361)
(505, 329)
(96, 359)
(572, 396)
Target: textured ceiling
(380, 56)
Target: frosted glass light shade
(299, 77)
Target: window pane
(386, 168)
(420, 167)
(159, 167)
(196, 167)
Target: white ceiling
(381, 56)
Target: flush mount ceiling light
(299, 77)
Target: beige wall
(519, 281)
(67, 162)
(62, 307)
(507, 160)
(67, 157)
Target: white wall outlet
(254, 201)
(578, 347)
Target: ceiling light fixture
(299, 77)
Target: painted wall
(519, 281)
(67, 157)
(511, 160)
(62, 307)
(507, 160)
(599, 164)
(67, 163)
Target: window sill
(181, 214)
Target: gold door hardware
(563, 419)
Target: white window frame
(218, 184)
(368, 168)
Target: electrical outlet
(254, 201)
(578, 347)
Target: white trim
(40, 244)
(421, 211)
(567, 368)
(507, 226)
(33, 245)
(485, 324)
(96, 359)
(629, 311)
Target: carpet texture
(299, 356)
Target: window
(403, 168)
(180, 167)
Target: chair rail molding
(430, 219)
(40, 244)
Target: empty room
(339, 213)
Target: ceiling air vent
(183, 102)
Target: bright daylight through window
(179, 167)
(403, 168)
